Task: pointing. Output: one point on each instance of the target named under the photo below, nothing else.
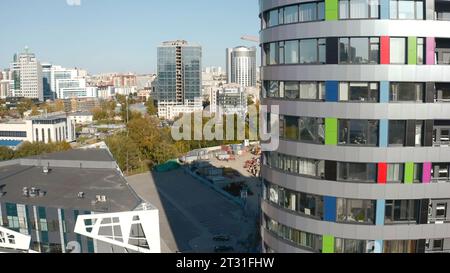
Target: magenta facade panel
(431, 46)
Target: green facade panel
(331, 10)
(409, 173)
(331, 131)
(328, 244)
(412, 50)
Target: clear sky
(122, 35)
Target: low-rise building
(54, 127)
(76, 201)
(229, 100)
(82, 117)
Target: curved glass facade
(364, 133)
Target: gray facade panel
(364, 28)
(357, 232)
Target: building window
(291, 14)
(355, 211)
(14, 134)
(290, 52)
(418, 172)
(357, 172)
(398, 50)
(358, 91)
(399, 246)
(420, 50)
(406, 91)
(272, 18)
(291, 90)
(358, 9)
(271, 53)
(406, 9)
(312, 90)
(43, 224)
(440, 172)
(312, 130)
(354, 246)
(308, 51)
(395, 173)
(401, 211)
(397, 132)
(359, 50)
(297, 165)
(272, 89)
(419, 133)
(358, 132)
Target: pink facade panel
(431, 47)
(426, 174)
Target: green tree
(6, 153)
(151, 109)
(24, 105)
(122, 148)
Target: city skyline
(61, 38)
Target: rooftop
(78, 155)
(63, 184)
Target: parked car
(222, 238)
(223, 249)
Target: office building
(230, 99)
(53, 127)
(75, 202)
(363, 162)
(241, 66)
(27, 76)
(179, 79)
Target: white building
(171, 111)
(54, 127)
(82, 117)
(241, 66)
(6, 87)
(228, 100)
(27, 76)
(105, 92)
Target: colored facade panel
(384, 133)
(332, 94)
(384, 92)
(426, 173)
(412, 50)
(330, 209)
(384, 9)
(382, 173)
(381, 208)
(385, 48)
(331, 131)
(431, 47)
(409, 173)
(331, 10)
(328, 244)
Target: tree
(100, 114)
(24, 105)
(35, 111)
(151, 109)
(38, 148)
(124, 150)
(59, 106)
(6, 154)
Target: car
(222, 238)
(223, 249)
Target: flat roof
(78, 155)
(62, 186)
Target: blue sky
(122, 35)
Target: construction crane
(250, 38)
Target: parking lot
(191, 213)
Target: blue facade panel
(384, 92)
(381, 207)
(384, 9)
(330, 208)
(384, 133)
(332, 94)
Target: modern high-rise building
(241, 66)
(179, 78)
(27, 76)
(363, 163)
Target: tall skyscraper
(179, 80)
(241, 66)
(27, 76)
(363, 163)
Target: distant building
(76, 201)
(241, 66)
(82, 117)
(27, 76)
(47, 82)
(228, 100)
(54, 127)
(179, 79)
(124, 81)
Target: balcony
(442, 93)
(442, 8)
(441, 133)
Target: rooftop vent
(81, 195)
(100, 198)
(45, 170)
(25, 192)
